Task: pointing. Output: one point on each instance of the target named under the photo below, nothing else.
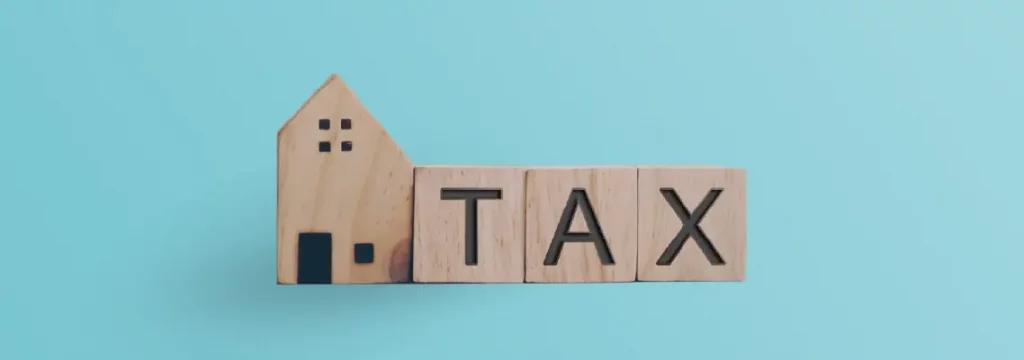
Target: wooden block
(692, 224)
(469, 225)
(600, 244)
(344, 187)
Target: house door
(314, 258)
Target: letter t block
(468, 225)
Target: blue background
(881, 139)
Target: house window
(325, 124)
(346, 146)
(363, 253)
(346, 124)
(325, 146)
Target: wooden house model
(344, 202)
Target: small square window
(346, 146)
(363, 253)
(325, 146)
(325, 124)
(346, 124)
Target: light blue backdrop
(881, 138)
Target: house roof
(330, 79)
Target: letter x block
(581, 224)
(468, 225)
(692, 224)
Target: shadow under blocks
(353, 209)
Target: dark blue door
(314, 258)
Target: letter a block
(469, 225)
(692, 224)
(581, 224)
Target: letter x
(691, 227)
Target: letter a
(578, 199)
